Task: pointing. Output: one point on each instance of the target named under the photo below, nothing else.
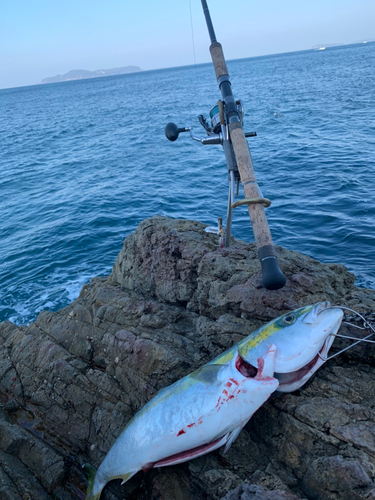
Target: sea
(84, 162)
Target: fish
(208, 408)
(303, 338)
(197, 414)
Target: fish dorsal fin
(208, 374)
(232, 436)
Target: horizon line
(314, 48)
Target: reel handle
(172, 131)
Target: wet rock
(71, 381)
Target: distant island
(81, 74)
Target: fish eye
(290, 319)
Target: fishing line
(366, 326)
(192, 31)
(193, 42)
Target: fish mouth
(292, 381)
(296, 378)
(322, 306)
(316, 311)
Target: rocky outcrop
(82, 74)
(71, 381)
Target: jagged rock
(333, 477)
(256, 492)
(71, 381)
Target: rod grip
(217, 55)
(273, 278)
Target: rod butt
(272, 276)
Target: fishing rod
(227, 129)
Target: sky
(43, 38)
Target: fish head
(302, 337)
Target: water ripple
(84, 162)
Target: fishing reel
(226, 128)
(216, 132)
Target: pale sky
(42, 38)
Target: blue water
(83, 162)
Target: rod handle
(217, 55)
(273, 278)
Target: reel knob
(172, 131)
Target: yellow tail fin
(90, 473)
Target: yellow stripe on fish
(260, 335)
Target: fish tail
(91, 473)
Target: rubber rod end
(272, 276)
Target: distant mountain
(81, 74)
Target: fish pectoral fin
(126, 477)
(231, 437)
(208, 374)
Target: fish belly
(185, 420)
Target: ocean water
(83, 162)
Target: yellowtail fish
(208, 408)
(302, 337)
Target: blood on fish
(191, 425)
(218, 401)
(260, 362)
(181, 432)
(246, 369)
(228, 384)
(234, 381)
(225, 392)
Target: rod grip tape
(218, 60)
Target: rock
(71, 381)
(255, 492)
(333, 477)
